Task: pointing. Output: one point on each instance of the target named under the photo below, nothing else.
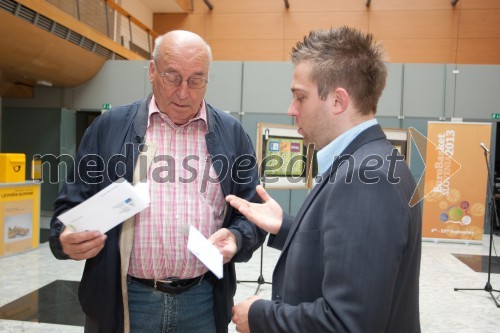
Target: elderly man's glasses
(175, 80)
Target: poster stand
(494, 216)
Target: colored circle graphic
(456, 213)
(443, 217)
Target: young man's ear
(340, 100)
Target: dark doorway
(83, 120)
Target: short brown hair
(347, 58)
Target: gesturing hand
(267, 216)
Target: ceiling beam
(209, 4)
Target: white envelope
(208, 254)
(106, 209)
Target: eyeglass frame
(180, 79)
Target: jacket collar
(141, 118)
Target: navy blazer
(109, 149)
(350, 260)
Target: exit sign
(495, 116)
(106, 106)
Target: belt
(174, 285)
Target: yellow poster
(456, 178)
(20, 214)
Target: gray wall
(260, 92)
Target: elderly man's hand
(82, 245)
(225, 241)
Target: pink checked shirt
(180, 196)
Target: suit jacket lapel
(370, 134)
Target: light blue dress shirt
(330, 152)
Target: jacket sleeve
(278, 241)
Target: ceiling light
(44, 83)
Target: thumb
(219, 235)
(263, 193)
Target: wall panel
(482, 4)
(423, 90)
(425, 31)
(244, 26)
(416, 24)
(479, 51)
(288, 44)
(190, 22)
(414, 50)
(479, 24)
(266, 87)
(131, 79)
(224, 86)
(390, 101)
(255, 49)
(322, 6)
(477, 91)
(299, 24)
(410, 5)
(244, 6)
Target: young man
(350, 260)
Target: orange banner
(456, 178)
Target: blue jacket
(108, 150)
(350, 259)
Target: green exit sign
(495, 116)
(106, 106)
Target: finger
(82, 254)
(263, 193)
(82, 236)
(88, 254)
(87, 247)
(217, 236)
(238, 203)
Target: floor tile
(44, 289)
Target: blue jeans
(191, 311)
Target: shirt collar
(327, 154)
(153, 109)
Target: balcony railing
(110, 19)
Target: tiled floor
(42, 290)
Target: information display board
(284, 161)
(456, 178)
